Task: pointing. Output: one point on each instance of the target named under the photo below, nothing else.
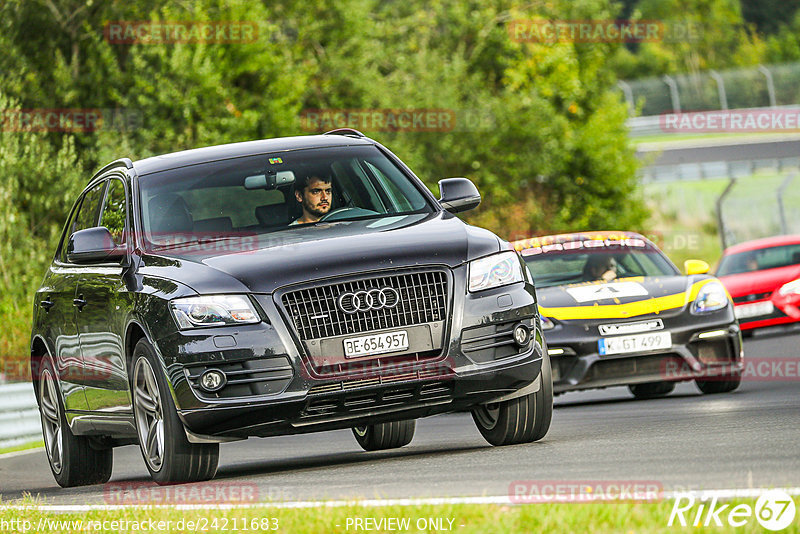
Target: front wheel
(169, 456)
(719, 385)
(521, 420)
(385, 435)
(73, 460)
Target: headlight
(213, 310)
(790, 288)
(711, 297)
(547, 324)
(495, 271)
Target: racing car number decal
(607, 291)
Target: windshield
(267, 193)
(603, 263)
(760, 260)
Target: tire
(73, 460)
(651, 390)
(710, 387)
(169, 456)
(385, 435)
(522, 420)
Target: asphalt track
(686, 441)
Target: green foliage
(717, 37)
(540, 127)
(38, 183)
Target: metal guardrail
(710, 170)
(750, 87)
(19, 415)
(644, 126)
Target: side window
(86, 215)
(113, 216)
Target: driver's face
(316, 198)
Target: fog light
(712, 334)
(522, 335)
(213, 380)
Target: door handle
(47, 304)
(79, 303)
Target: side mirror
(94, 245)
(695, 267)
(272, 180)
(458, 194)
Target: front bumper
(275, 387)
(577, 364)
(785, 310)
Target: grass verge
(464, 518)
(24, 447)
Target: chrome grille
(315, 314)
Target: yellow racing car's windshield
(603, 263)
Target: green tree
(38, 183)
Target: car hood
(764, 281)
(620, 299)
(270, 261)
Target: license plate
(754, 310)
(637, 343)
(375, 344)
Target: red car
(763, 277)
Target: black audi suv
(193, 300)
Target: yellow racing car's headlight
(712, 297)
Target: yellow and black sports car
(616, 311)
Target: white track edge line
(497, 499)
(20, 453)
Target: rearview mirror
(94, 245)
(271, 180)
(458, 194)
(695, 267)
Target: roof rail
(345, 131)
(117, 163)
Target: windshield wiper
(194, 242)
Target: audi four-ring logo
(367, 300)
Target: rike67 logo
(774, 510)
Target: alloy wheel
(149, 414)
(51, 420)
